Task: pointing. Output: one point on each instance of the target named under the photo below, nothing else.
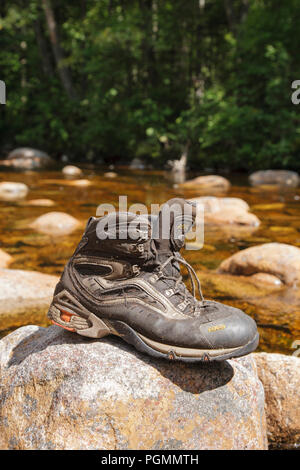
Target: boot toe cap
(236, 329)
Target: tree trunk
(58, 53)
(43, 48)
(231, 16)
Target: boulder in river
(12, 191)
(137, 164)
(275, 177)
(26, 158)
(110, 174)
(231, 211)
(24, 297)
(5, 259)
(71, 170)
(39, 202)
(278, 259)
(280, 376)
(63, 391)
(207, 184)
(55, 223)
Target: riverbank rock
(28, 159)
(208, 183)
(5, 259)
(24, 296)
(275, 177)
(227, 210)
(11, 191)
(63, 391)
(55, 224)
(278, 259)
(280, 376)
(71, 170)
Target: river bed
(277, 313)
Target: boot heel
(68, 313)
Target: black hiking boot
(131, 287)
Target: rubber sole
(89, 325)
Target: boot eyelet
(169, 292)
(183, 305)
(153, 278)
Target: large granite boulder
(280, 376)
(275, 177)
(226, 210)
(63, 391)
(24, 296)
(277, 259)
(26, 158)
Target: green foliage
(151, 77)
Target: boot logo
(216, 328)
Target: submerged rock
(5, 259)
(61, 182)
(28, 159)
(215, 204)
(232, 211)
(11, 191)
(55, 223)
(137, 164)
(24, 296)
(280, 376)
(275, 177)
(39, 202)
(62, 391)
(278, 259)
(209, 183)
(71, 170)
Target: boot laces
(179, 281)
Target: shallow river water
(277, 312)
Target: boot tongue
(175, 219)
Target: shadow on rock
(194, 378)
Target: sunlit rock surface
(39, 202)
(24, 296)
(62, 391)
(71, 170)
(5, 259)
(275, 177)
(231, 211)
(280, 376)
(279, 259)
(11, 191)
(55, 224)
(207, 184)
